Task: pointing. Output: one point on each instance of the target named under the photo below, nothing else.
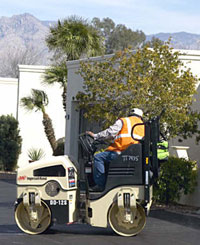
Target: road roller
(58, 190)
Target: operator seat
(125, 169)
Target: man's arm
(108, 133)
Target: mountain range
(21, 32)
(24, 32)
(179, 40)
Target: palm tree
(74, 38)
(57, 74)
(70, 40)
(38, 100)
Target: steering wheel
(89, 140)
(87, 143)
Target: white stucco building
(8, 96)
(30, 123)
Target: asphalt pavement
(163, 227)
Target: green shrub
(59, 151)
(10, 143)
(177, 176)
(35, 154)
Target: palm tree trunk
(49, 131)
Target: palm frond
(27, 103)
(38, 100)
(75, 37)
(56, 74)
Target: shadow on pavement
(7, 229)
(80, 229)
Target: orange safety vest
(123, 139)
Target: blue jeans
(99, 168)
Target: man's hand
(90, 133)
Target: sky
(150, 16)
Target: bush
(35, 154)
(10, 143)
(177, 176)
(59, 151)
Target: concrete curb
(7, 175)
(184, 219)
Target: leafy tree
(60, 147)
(14, 56)
(57, 74)
(38, 100)
(151, 79)
(191, 127)
(105, 29)
(74, 38)
(177, 176)
(153, 42)
(117, 37)
(10, 143)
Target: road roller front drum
(33, 219)
(126, 223)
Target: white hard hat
(136, 111)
